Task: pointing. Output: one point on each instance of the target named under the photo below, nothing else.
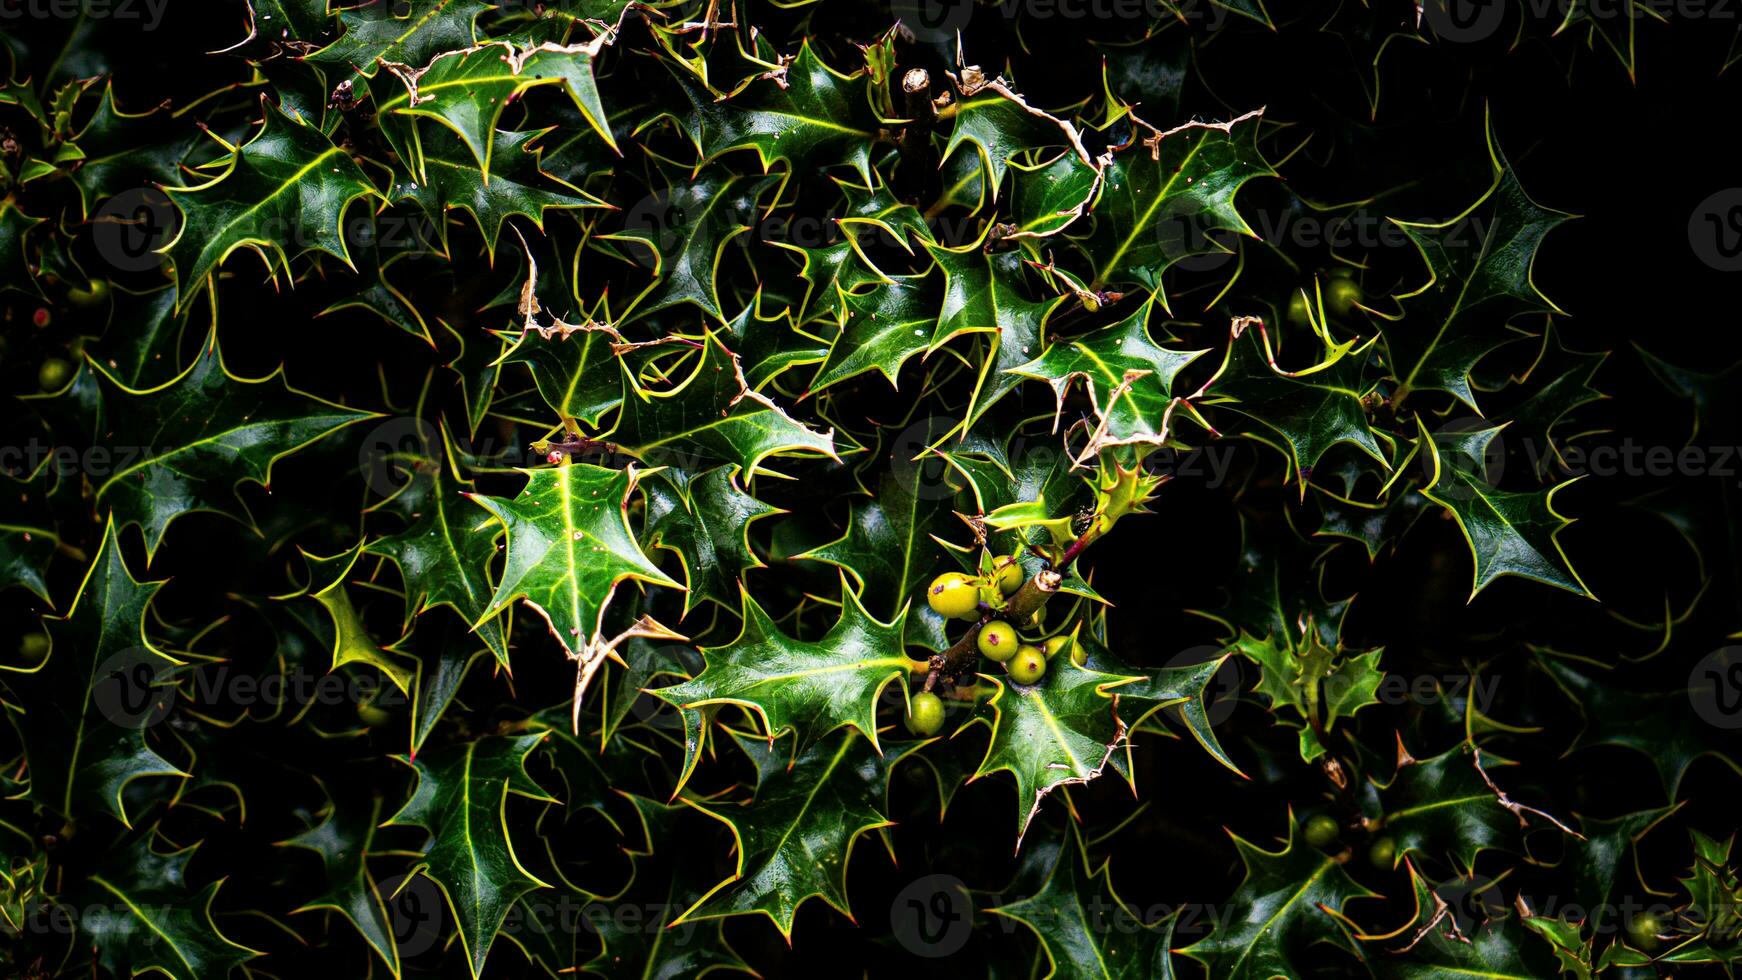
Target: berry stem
(1024, 603)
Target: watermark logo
(927, 474)
(1715, 687)
(134, 688)
(390, 447)
(932, 917)
(148, 14)
(933, 21)
(414, 909)
(129, 228)
(1463, 21)
(1715, 230)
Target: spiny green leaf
(444, 556)
(712, 415)
(1479, 277)
(569, 545)
(1162, 197)
(1059, 731)
(141, 917)
(1289, 900)
(287, 188)
(810, 688)
(795, 839)
(460, 796)
(706, 521)
(87, 704)
(1509, 533)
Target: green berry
(1320, 830)
(997, 641)
(54, 374)
(1342, 295)
(1643, 929)
(1383, 853)
(34, 646)
(954, 594)
(925, 714)
(1027, 666)
(1010, 577)
(372, 716)
(1055, 644)
(1297, 309)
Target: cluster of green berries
(958, 596)
(1321, 831)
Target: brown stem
(916, 149)
(1034, 594)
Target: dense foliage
(1080, 489)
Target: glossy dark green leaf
(795, 839)
(1479, 277)
(808, 687)
(88, 703)
(460, 796)
(1288, 901)
(283, 193)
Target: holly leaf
(1438, 948)
(882, 328)
(1161, 197)
(1084, 927)
(663, 881)
(86, 705)
(984, 293)
(1000, 125)
(569, 545)
(1445, 807)
(1060, 731)
(684, 228)
(467, 89)
(445, 554)
(1047, 198)
(768, 346)
(120, 150)
(1129, 378)
(374, 32)
(1288, 900)
(516, 184)
(1479, 277)
(705, 521)
(287, 188)
(794, 840)
(1603, 858)
(1318, 684)
(802, 113)
(342, 840)
(1180, 688)
(1655, 724)
(1509, 533)
(571, 365)
(140, 916)
(351, 640)
(183, 446)
(889, 547)
(1310, 410)
(27, 539)
(1564, 383)
(712, 415)
(461, 793)
(809, 688)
